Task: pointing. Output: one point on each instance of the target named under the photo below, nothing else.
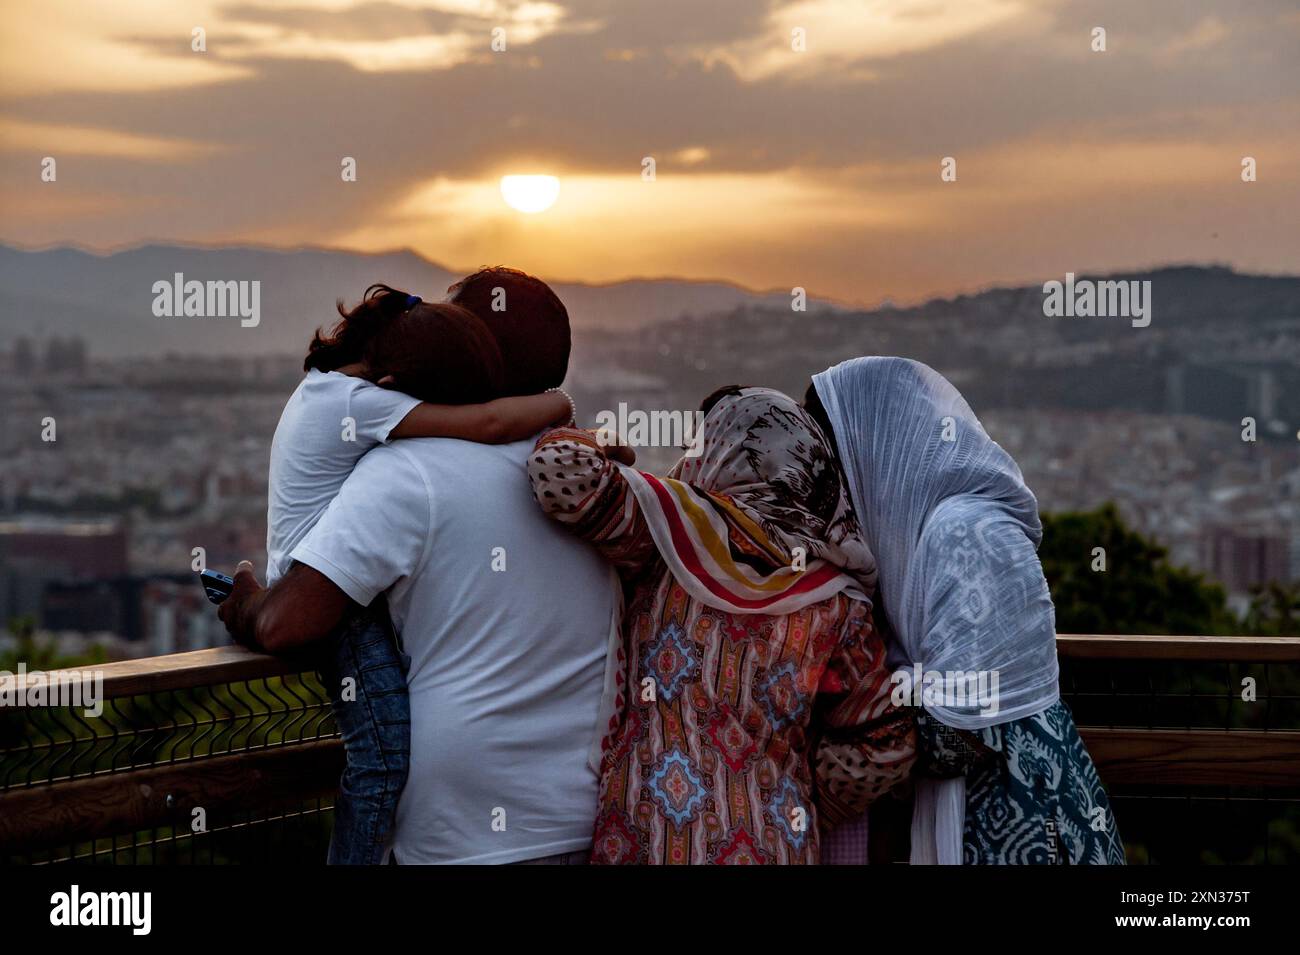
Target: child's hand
(622, 454)
(612, 444)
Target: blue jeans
(365, 673)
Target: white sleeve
(376, 531)
(377, 411)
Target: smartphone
(216, 586)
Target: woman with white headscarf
(1002, 775)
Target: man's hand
(239, 611)
(303, 606)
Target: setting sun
(530, 193)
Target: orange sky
(775, 167)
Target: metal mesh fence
(1194, 825)
(42, 745)
(46, 746)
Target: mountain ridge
(106, 297)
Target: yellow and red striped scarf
(759, 520)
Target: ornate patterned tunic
(735, 735)
(1032, 792)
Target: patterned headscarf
(755, 518)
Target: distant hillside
(107, 299)
(1220, 344)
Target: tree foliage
(1138, 592)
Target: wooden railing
(255, 733)
(1190, 756)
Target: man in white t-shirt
(506, 618)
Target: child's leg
(366, 678)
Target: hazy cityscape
(117, 469)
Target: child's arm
(496, 422)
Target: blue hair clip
(412, 301)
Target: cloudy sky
(775, 167)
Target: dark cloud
(570, 102)
(564, 98)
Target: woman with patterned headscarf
(749, 700)
(1002, 777)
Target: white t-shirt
(311, 454)
(507, 665)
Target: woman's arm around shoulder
(575, 482)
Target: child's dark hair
(436, 352)
(347, 341)
(440, 353)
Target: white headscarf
(955, 532)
